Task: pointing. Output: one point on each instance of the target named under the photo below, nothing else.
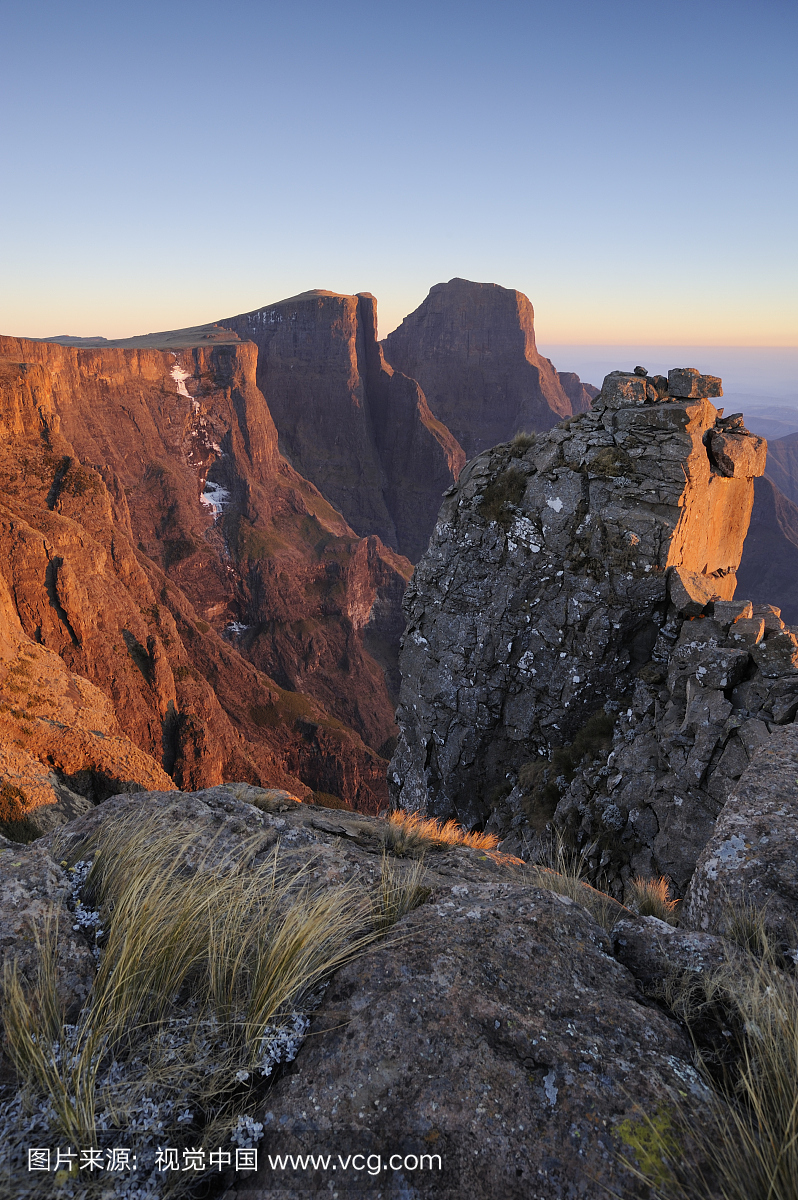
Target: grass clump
(208, 967)
(522, 442)
(652, 898)
(502, 495)
(741, 1141)
(564, 870)
(407, 833)
(400, 891)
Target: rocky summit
(472, 348)
(576, 607)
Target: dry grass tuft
(400, 892)
(742, 1142)
(652, 898)
(565, 871)
(207, 966)
(407, 833)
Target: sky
(630, 165)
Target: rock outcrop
(751, 860)
(358, 429)
(575, 577)
(472, 348)
(487, 1039)
(155, 540)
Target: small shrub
(609, 462)
(521, 443)
(506, 490)
(651, 898)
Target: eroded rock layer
(560, 568)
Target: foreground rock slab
(495, 1031)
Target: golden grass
(742, 1142)
(407, 832)
(207, 957)
(652, 898)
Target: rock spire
(562, 568)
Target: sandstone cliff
(358, 429)
(472, 348)
(154, 538)
(567, 573)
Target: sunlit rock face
(472, 348)
(545, 593)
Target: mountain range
(213, 527)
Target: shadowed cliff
(472, 348)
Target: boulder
(752, 856)
(689, 384)
(655, 951)
(497, 1033)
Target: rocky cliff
(472, 348)
(156, 541)
(358, 429)
(575, 576)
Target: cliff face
(358, 429)
(155, 540)
(472, 348)
(560, 570)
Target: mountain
(156, 541)
(214, 526)
(471, 346)
(783, 465)
(768, 571)
(354, 426)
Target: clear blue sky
(629, 164)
